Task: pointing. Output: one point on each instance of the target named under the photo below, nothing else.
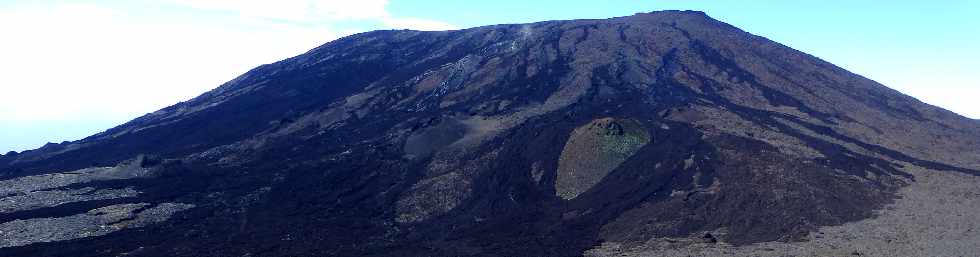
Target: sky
(70, 69)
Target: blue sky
(75, 68)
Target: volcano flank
(664, 133)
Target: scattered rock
(709, 238)
(96, 222)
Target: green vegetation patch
(596, 149)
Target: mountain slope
(543, 139)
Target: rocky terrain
(658, 134)
(933, 217)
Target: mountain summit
(654, 134)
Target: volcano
(657, 134)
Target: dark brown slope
(540, 139)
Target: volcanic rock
(629, 136)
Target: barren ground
(936, 216)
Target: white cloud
(317, 12)
(416, 24)
(83, 60)
(296, 10)
(103, 64)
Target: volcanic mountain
(664, 133)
